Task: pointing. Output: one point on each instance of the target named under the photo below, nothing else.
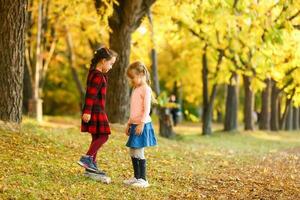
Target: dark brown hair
(100, 54)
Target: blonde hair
(139, 68)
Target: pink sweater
(140, 105)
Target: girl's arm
(92, 90)
(147, 104)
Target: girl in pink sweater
(139, 127)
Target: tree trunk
(295, 118)
(289, 118)
(12, 46)
(27, 89)
(165, 123)
(299, 117)
(71, 58)
(231, 109)
(28, 79)
(126, 18)
(153, 57)
(264, 121)
(274, 107)
(35, 105)
(208, 102)
(206, 115)
(248, 105)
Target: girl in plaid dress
(94, 119)
(139, 127)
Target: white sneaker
(141, 183)
(130, 181)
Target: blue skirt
(146, 139)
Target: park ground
(40, 163)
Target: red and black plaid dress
(95, 104)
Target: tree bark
(126, 18)
(208, 101)
(295, 118)
(12, 47)
(289, 118)
(27, 89)
(249, 104)
(153, 57)
(165, 123)
(35, 105)
(264, 121)
(274, 107)
(231, 109)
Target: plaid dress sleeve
(93, 87)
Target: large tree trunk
(249, 104)
(12, 46)
(274, 107)
(231, 109)
(126, 18)
(264, 121)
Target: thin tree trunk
(206, 116)
(264, 121)
(71, 58)
(35, 105)
(289, 118)
(208, 102)
(286, 122)
(249, 104)
(27, 89)
(28, 79)
(153, 57)
(295, 118)
(274, 107)
(12, 45)
(231, 109)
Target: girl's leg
(138, 162)
(97, 141)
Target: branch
(294, 16)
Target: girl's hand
(139, 129)
(127, 130)
(86, 117)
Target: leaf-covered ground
(40, 163)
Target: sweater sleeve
(146, 104)
(92, 90)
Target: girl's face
(106, 65)
(137, 79)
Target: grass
(40, 163)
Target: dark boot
(136, 168)
(142, 166)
